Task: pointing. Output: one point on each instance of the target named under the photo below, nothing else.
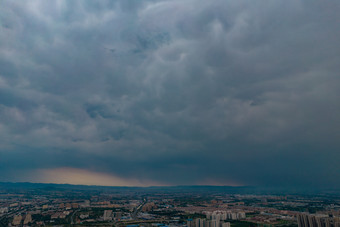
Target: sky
(170, 92)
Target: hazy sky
(132, 92)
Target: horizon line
(149, 186)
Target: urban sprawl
(65, 206)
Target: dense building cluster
(317, 220)
(105, 206)
(225, 215)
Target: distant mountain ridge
(178, 188)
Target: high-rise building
(312, 220)
(107, 215)
(17, 220)
(28, 219)
(199, 222)
(190, 223)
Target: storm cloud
(172, 92)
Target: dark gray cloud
(176, 92)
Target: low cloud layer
(172, 92)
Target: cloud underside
(171, 92)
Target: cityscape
(24, 204)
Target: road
(125, 223)
(137, 209)
(72, 222)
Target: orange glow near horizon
(77, 176)
(85, 177)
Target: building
(190, 223)
(107, 215)
(3, 210)
(199, 222)
(68, 206)
(17, 220)
(317, 220)
(225, 215)
(28, 219)
(226, 224)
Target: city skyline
(160, 92)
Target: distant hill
(164, 189)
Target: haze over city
(170, 92)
